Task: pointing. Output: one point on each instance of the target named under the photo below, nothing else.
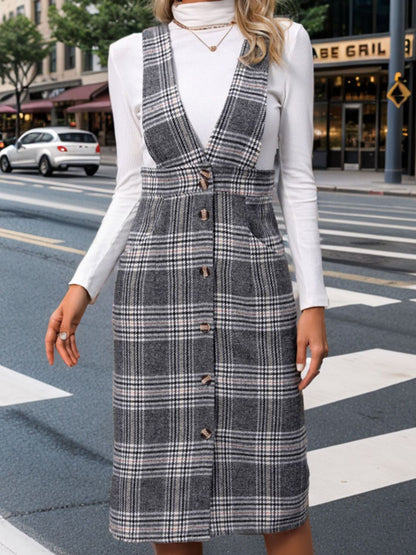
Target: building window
(20, 10)
(69, 57)
(37, 11)
(52, 2)
(52, 60)
(87, 62)
(39, 67)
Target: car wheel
(45, 167)
(5, 164)
(91, 170)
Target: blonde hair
(257, 23)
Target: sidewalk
(347, 181)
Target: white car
(52, 148)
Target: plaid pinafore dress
(209, 431)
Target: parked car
(52, 148)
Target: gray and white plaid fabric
(209, 431)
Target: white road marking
(51, 204)
(379, 237)
(374, 216)
(343, 297)
(99, 195)
(18, 388)
(363, 223)
(367, 207)
(69, 189)
(47, 182)
(15, 542)
(360, 466)
(352, 374)
(373, 252)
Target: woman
(209, 432)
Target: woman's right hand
(66, 319)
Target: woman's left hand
(311, 331)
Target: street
(56, 422)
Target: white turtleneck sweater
(203, 79)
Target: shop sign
(358, 50)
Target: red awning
(37, 106)
(5, 109)
(100, 104)
(81, 93)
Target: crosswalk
(369, 251)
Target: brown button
(205, 327)
(204, 270)
(206, 433)
(204, 214)
(206, 173)
(203, 183)
(206, 379)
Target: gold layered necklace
(210, 47)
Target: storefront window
(383, 125)
(360, 87)
(320, 119)
(369, 126)
(335, 87)
(335, 127)
(320, 88)
(384, 82)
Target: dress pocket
(262, 225)
(147, 215)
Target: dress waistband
(191, 180)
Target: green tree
(311, 13)
(22, 47)
(94, 25)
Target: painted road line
(42, 242)
(344, 297)
(364, 224)
(50, 204)
(374, 216)
(38, 185)
(11, 234)
(380, 237)
(370, 208)
(69, 189)
(18, 388)
(361, 466)
(15, 542)
(367, 279)
(99, 195)
(374, 252)
(48, 182)
(352, 374)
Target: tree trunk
(18, 107)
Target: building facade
(351, 56)
(66, 69)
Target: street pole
(393, 167)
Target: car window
(45, 138)
(30, 138)
(77, 137)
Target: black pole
(393, 169)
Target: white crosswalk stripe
(15, 542)
(18, 388)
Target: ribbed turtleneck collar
(207, 12)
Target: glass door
(351, 136)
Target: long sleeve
(297, 190)
(101, 257)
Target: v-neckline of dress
(224, 113)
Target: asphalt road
(56, 433)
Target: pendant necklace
(213, 47)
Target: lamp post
(393, 167)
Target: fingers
(302, 345)
(65, 346)
(318, 353)
(51, 333)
